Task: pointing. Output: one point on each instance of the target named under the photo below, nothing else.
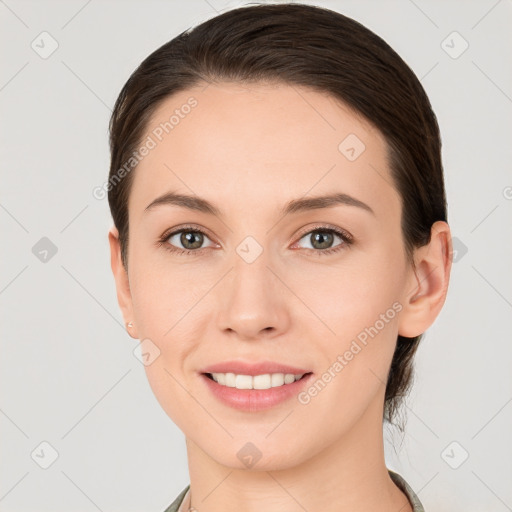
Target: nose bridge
(250, 267)
(250, 299)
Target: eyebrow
(293, 206)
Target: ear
(428, 283)
(124, 297)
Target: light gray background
(68, 372)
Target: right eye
(190, 239)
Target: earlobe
(428, 284)
(121, 279)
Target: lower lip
(255, 399)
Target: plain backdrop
(69, 376)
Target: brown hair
(308, 46)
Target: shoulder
(175, 505)
(407, 490)
(398, 479)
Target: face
(266, 275)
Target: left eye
(323, 238)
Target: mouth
(256, 382)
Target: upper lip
(260, 368)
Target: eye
(321, 238)
(186, 240)
(189, 240)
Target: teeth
(265, 381)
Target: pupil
(188, 236)
(322, 239)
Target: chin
(260, 454)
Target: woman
(279, 247)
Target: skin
(249, 150)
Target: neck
(349, 474)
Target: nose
(253, 301)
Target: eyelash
(345, 236)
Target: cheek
(169, 388)
(351, 295)
(163, 293)
(354, 377)
(359, 311)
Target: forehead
(237, 145)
